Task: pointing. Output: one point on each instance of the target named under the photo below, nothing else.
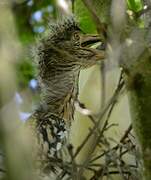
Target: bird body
(60, 57)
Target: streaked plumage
(60, 57)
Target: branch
(101, 27)
(94, 130)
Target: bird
(60, 55)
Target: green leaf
(24, 72)
(135, 5)
(84, 17)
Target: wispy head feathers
(66, 25)
(62, 29)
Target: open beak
(87, 40)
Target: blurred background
(22, 23)
(31, 19)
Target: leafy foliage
(84, 17)
(31, 18)
(25, 72)
(135, 5)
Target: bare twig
(103, 83)
(126, 133)
(97, 124)
(105, 109)
(120, 163)
(101, 28)
(73, 163)
(115, 147)
(72, 4)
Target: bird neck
(59, 95)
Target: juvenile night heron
(61, 55)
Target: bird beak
(87, 40)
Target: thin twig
(115, 147)
(97, 124)
(99, 172)
(112, 99)
(72, 4)
(126, 134)
(73, 163)
(100, 26)
(103, 84)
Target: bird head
(67, 47)
(62, 53)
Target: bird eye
(76, 36)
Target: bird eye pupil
(76, 36)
